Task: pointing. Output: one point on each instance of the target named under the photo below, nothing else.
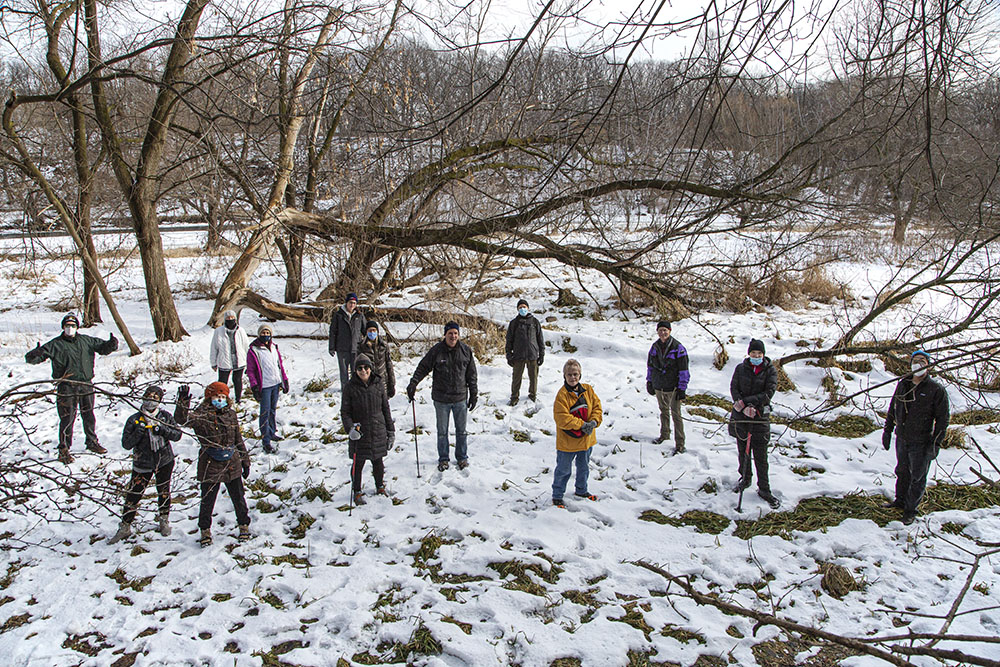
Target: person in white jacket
(229, 352)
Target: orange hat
(217, 389)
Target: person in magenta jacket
(266, 374)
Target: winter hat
(70, 318)
(229, 315)
(217, 389)
(451, 325)
(522, 302)
(663, 324)
(372, 324)
(362, 360)
(265, 328)
(755, 344)
(155, 391)
(351, 296)
(921, 353)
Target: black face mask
(230, 324)
(266, 340)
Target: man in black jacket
(454, 390)
(667, 377)
(525, 349)
(918, 414)
(752, 388)
(347, 328)
(72, 357)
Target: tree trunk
(293, 267)
(214, 240)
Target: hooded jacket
(454, 371)
(754, 385)
(72, 358)
(220, 354)
(346, 331)
(667, 365)
(146, 457)
(919, 413)
(215, 429)
(570, 411)
(524, 340)
(366, 404)
(253, 365)
(378, 352)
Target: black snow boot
(769, 498)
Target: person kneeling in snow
(577, 412)
(368, 422)
(148, 433)
(222, 457)
(752, 387)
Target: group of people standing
(918, 412)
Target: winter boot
(558, 502)
(531, 397)
(892, 505)
(463, 464)
(268, 449)
(442, 466)
(513, 401)
(124, 530)
(359, 499)
(659, 440)
(164, 525)
(244, 533)
(769, 498)
(909, 517)
(588, 496)
(679, 449)
(743, 484)
(65, 456)
(206, 537)
(96, 448)
(276, 438)
(381, 491)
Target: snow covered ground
(469, 567)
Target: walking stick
(416, 447)
(354, 467)
(746, 462)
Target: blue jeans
(564, 464)
(461, 412)
(268, 408)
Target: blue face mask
(218, 402)
(372, 335)
(756, 361)
(522, 311)
(266, 340)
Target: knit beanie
(921, 353)
(451, 325)
(229, 315)
(217, 389)
(522, 302)
(70, 318)
(362, 360)
(372, 324)
(663, 324)
(756, 344)
(351, 296)
(265, 328)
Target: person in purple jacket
(667, 378)
(266, 374)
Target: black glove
(184, 393)
(246, 470)
(112, 339)
(510, 362)
(284, 387)
(588, 427)
(540, 360)
(256, 394)
(411, 392)
(473, 398)
(886, 440)
(681, 395)
(390, 439)
(390, 392)
(649, 389)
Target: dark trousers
(760, 434)
(912, 463)
(70, 396)
(138, 484)
(210, 490)
(345, 360)
(515, 384)
(237, 381)
(358, 465)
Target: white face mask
(70, 331)
(918, 369)
(149, 406)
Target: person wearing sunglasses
(368, 422)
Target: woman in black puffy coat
(369, 425)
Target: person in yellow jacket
(577, 412)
